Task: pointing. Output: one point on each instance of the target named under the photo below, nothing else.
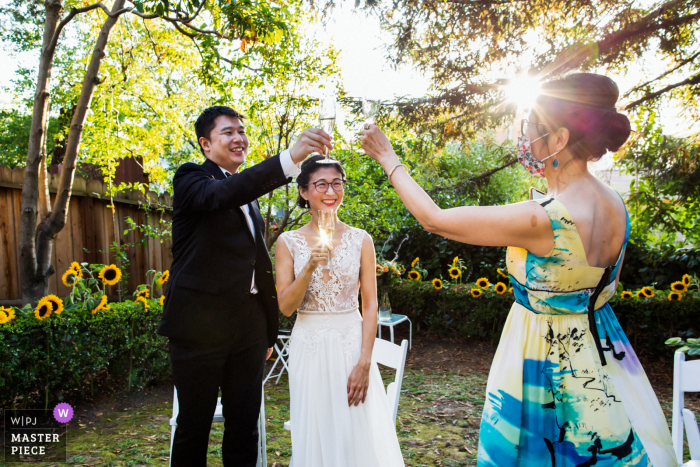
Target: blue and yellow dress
(566, 388)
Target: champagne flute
(326, 225)
(370, 108)
(326, 116)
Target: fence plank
(8, 246)
(16, 210)
(77, 228)
(63, 245)
(89, 232)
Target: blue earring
(555, 163)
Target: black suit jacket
(214, 253)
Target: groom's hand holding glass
(310, 141)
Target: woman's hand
(377, 145)
(319, 256)
(358, 382)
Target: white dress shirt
(290, 169)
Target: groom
(220, 310)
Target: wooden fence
(89, 232)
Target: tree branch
(76, 11)
(663, 75)
(686, 82)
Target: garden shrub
(648, 322)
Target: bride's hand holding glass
(319, 257)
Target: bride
(340, 414)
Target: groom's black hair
(205, 121)
(310, 166)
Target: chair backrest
(393, 356)
(686, 378)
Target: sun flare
(523, 90)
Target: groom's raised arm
(196, 189)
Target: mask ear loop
(555, 162)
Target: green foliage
(691, 347)
(647, 322)
(664, 201)
(453, 177)
(14, 136)
(44, 362)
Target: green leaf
(674, 341)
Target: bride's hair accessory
(308, 167)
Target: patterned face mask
(527, 160)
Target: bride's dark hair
(310, 166)
(584, 103)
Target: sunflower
(476, 293)
(102, 305)
(454, 261)
(686, 279)
(4, 317)
(455, 272)
(501, 273)
(679, 287)
(414, 275)
(142, 293)
(163, 277)
(648, 292)
(110, 275)
(675, 296)
(482, 282)
(43, 309)
(626, 294)
(162, 300)
(75, 266)
(10, 312)
(640, 294)
(70, 277)
(57, 304)
(510, 289)
(500, 288)
(144, 301)
(437, 283)
(413, 264)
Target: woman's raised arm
(524, 225)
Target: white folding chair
(219, 418)
(393, 356)
(282, 356)
(686, 378)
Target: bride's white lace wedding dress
(324, 349)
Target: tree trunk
(35, 280)
(36, 242)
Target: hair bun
(616, 129)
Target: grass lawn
(438, 421)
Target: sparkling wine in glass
(326, 225)
(326, 116)
(370, 109)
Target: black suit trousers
(236, 366)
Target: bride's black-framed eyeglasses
(525, 126)
(322, 185)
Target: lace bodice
(336, 292)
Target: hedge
(647, 322)
(44, 362)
